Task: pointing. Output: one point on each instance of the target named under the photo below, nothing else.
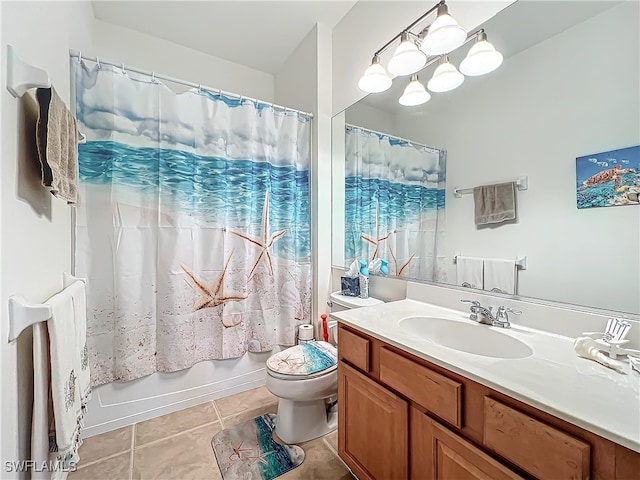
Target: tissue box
(350, 286)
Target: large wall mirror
(568, 88)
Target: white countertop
(553, 379)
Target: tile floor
(178, 446)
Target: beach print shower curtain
(394, 204)
(193, 225)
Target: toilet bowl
(305, 380)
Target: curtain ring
(124, 72)
(79, 57)
(153, 77)
(98, 62)
(199, 88)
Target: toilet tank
(341, 302)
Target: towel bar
(23, 314)
(522, 183)
(521, 262)
(22, 76)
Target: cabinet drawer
(354, 349)
(537, 448)
(437, 393)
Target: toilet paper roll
(305, 332)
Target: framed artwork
(609, 178)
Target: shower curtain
(394, 204)
(193, 224)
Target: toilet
(305, 380)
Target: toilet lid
(305, 359)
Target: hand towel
(587, 347)
(69, 369)
(469, 272)
(494, 203)
(57, 140)
(500, 275)
(42, 415)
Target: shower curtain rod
(77, 54)
(391, 136)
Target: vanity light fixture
(407, 58)
(446, 77)
(375, 78)
(482, 58)
(444, 34)
(431, 44)
(414, 93)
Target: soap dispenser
(363, 276)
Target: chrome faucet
(485, 315)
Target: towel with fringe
(70, 378)
(494, 203)
(57, 141)
(469, 272)
(500, 275)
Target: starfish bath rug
(248, 451)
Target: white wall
(302, 83)
(36, 227)
(372, 118)
(566, 97)
(123, 45)
(369, 25)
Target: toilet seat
(308, 360)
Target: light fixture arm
(418, 20)
(471, 36)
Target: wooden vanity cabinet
(401, 417)
(373, 437)
(439, 454)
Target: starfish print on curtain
(377, 239)
(265, 242)
(400, 270)
(213, 295)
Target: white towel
(469, 272)
(588, 348)
(42, 412)
(500, 275)
(69, 368)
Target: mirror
(568, 88)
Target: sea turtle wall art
(609, 178)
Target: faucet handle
(504, 309)
(472, 302)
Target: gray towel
(494, 203)
(57, 139)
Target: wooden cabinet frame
(596, 458)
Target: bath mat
(248, 451)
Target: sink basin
(466, 337)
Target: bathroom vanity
(527, 407)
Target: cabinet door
(439, 454)
(373, 437)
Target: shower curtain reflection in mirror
(193, 228)
(394, 203)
